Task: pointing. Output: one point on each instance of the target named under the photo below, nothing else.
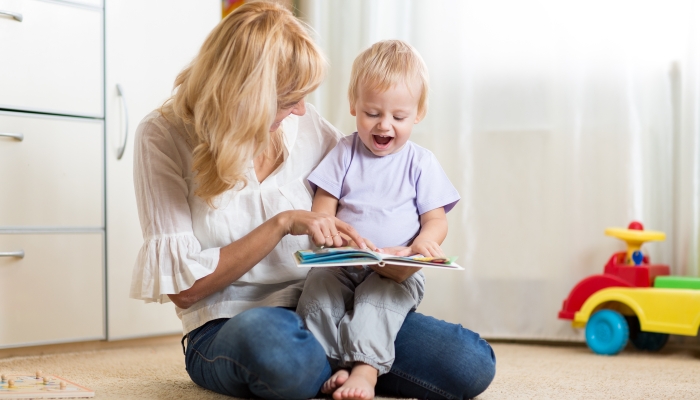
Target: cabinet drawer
(52, 60)
(55, 293)
(91, 3)
(54, 177)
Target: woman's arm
(240, 256)
(234, 261)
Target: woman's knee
(461, 362)
(473, 362)
(260, 330)
(285, 356)
(482, 360)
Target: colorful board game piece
(40, 386)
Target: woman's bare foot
(335, 381)
(359, 385)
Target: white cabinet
(55, 292)
(51, 58)
(147, 44)
(52, 172)
(68, 218)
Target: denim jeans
(266, 352)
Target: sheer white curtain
(554, 120)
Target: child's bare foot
(359, 385)
(335, 381)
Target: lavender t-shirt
(383, 197)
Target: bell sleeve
(171, 258)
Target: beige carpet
(157, 371)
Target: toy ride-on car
(633, 299)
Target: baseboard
(89, 346)
(674, 342)
(539, 342)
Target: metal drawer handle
(17, 136)
(18, 254)
(16, 16)
(120, 93)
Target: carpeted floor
(156, 371)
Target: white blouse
(183, 235)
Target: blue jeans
(266, 352)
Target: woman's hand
(350, 242)
(322, 229)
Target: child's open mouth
(382, 142)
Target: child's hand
(401, 251)
(428, 248)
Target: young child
(394, 193)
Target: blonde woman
(220, 174)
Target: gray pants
(356, 313)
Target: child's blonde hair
(386, 64)
(258, 59)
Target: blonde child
(396, 195)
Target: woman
(220, 175)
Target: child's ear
(353, 112)
(419, 117)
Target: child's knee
(325, 286)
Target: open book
(347, 256)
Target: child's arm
(432, 232)
(324, 203)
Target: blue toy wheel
(607, 332)
(649, 341)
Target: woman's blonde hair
(259, 59)
(386, 64)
